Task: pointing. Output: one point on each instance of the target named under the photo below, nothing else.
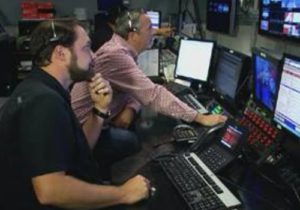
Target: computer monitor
(148, 61)
(194, 60)
(107, 5)
(2, 30)
(288, 100)
(221, 16)
(230, 74)
(280, 18)
(266, 74)
(155, 17)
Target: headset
(130, 24)
(54, 39)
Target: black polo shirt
(39, 135)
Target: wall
(245, 39)
(10, 10)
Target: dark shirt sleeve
(45, 135)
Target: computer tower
(8, 68)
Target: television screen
(106, 5)
(288, 100)
(194, 59)
(222, 16)
(230, 72)
(155, 18)
(232, 137)
(265, 78)
(2, 30)
(280, 18)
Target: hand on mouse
(135, 189)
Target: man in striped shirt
(116, 61)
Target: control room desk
(248, 184)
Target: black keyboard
(215, 157)
(199, 187)
(193, 102)
(176, 88)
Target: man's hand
(210, 120)
(164, 31)
(101, 92)
(124, 118)
(135, 189)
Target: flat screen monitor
(222, 16)
(148, 61)
(194, 60)
(2, 30)
(280, 18)
(229, 74)
(266, 75)
(155, 17)
(288, 100)
(106, 5)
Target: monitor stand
(199, 87)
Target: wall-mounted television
(280, 18)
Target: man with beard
(45, 158)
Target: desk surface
(253, 189)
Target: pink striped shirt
(116, 61)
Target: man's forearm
(68, 192)
(92, 129)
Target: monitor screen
(155, 18)
(148, 61)
(222, 16)
(280, 18)
(2, 30)
(265, 79)
(288, 100)
(228, 73)
(107, 5)
(194, 59)
(231, 137)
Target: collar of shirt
(125, 44)
(51, 82)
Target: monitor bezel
(268, 56)
(290, 56)
(189, 79)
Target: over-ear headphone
(130, 24)
(54, 37)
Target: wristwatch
(101, 114)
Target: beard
(78, 74)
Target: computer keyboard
(193, 102)
(197, 184)
(215, 158)
(176, 88)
